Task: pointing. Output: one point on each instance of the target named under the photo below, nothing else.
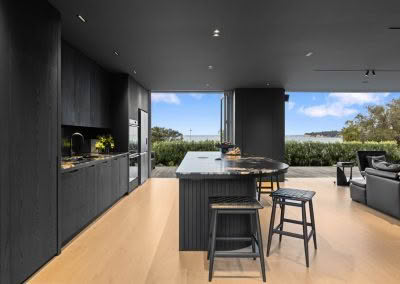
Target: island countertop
(215, 164)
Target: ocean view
(300, 138)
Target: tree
(381, 123)
(163, 134)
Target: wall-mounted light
(81, 18)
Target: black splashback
(87, 132)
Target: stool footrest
(289, 203)
(233, 238)
(237, 254)
(290, 234)
(295, 222)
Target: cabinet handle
(74, 171)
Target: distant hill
(333, 133)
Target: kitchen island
(206, 174)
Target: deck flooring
(294, 172)
(136, 241)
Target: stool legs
(313, 224)
(253, 233)
(213, 240)
(271, 225)
(282, 217)
(260, 245)
(305, 234)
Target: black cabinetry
(89, 191)
(85, 90)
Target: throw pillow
(385, 166)
(380, 158)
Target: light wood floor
(136, 241)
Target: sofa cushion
(379, 173)
(375, 158)
(360, 182)
(385, 166)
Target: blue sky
(305, 112)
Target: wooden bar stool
(260, 187)
(235, 205)
(297, 198)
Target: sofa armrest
(384, 174)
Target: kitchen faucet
(76, 134)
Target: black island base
(209, 174)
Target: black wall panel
(29, 80)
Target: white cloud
(335, 109)
(196, 95)
(340, 104)
(358, 98)
(291, 105)
(169, 98)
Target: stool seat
(294, 194)
(234, 202)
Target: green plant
(105, 143)
(171, 153)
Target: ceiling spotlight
(268, 84)
(116, 53)
(309, 54)
(367, 73)
(134, 72)
(210, 67)
(82, 19)
(373, 73)
(216, 33)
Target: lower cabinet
(87, 192)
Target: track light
(367, 73)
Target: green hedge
(328, 154)
(171, 153)
(296, 153)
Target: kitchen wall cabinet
(88, 191)
(30, 33)
(85, 90)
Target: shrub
(328, 154)
(171, 153)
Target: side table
(341, 178)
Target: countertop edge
(91, 163)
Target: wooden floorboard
(136, 241)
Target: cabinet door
(115, 180)
(123, 175)
(100, 185)
(88, 196)
(68, 85)
(69, 196)
(82, 89)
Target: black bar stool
(260, 187)
(297, 198)
(235, 205)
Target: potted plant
(105, 143)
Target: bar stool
(260, 187)
(297, 198)
(235, 205)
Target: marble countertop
(207, 164)
(68, 164)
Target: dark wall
(30, 34)
(260, 122)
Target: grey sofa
(378, 189)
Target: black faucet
(76, 134)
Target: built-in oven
(134, 157)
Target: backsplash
(88, 134)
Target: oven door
(133, 171)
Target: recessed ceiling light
(216, 33)
(268, 84)
(210, 67)
(309, 54)
(82, 19)
(116, 53)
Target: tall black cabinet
(30, 35)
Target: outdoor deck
(136, 241)
(294, 172)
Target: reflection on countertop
(76, 162)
